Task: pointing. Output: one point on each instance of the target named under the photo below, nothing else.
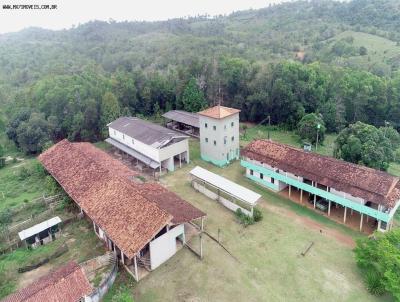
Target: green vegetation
(82, 245)
(365, 144)
(20, 182)
(311, 127)
(193, 98)
(379, 258)
(121, 291)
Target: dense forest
(340, 60)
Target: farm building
(155, 146)
(143, 224)
(219, 135)
(66, 284)
(361, 197)
(183, 121)
(228, 193)
(41, 233)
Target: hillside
(340, 59)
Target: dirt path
(31, 276)
(342, 238)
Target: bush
(379, 259)
(374, 284)
(24, 173)
(244, 218)
(257, 215)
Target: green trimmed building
(219, 135)
(355, 195)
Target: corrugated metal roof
(184, 117)
(148, 133)
(226, 185)
(143, 158)
(36, 229)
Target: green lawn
(285, 137)
(19, 182)
(271, 267)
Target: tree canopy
(309, 126)
(367, 145)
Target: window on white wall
(215, 127)
(232, 138)
(251, 172)
(205, 125)
(206, 139)
(215, 143)
(261, 176)
(232, 124)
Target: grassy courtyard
(271, 267)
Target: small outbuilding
(183, 121)
(228, 193)
(41, 233)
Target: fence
(103, 288)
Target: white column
(329, 208)
(301, 195)
(361, 222)
(136, 270)
(345, 213)
(290, 190)
(180, 160)
(122, 258)
(315, 199)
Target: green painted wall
(219, 163)
(324, 194)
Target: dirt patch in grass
(339, 236)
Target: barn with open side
(41, 233)
(228, 193)
(144, 224)
(183, 121)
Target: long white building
(151, 144)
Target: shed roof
(148, 133)
(184, 117)
(219, 112)
(369, 184)
(103, 187)
(36, 229)
(66, 284)
(226, 185)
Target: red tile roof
(130, 214)
(66, 284)
(219, 112)
(369, 184)
(100, 185)
(181, 210)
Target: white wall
(174, 149)
(164, 247)
(147, 150)
(347, 196)
(225, 202)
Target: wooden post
(361, 222)
(367, 218)
(301, 195)
(201, 245)
(290, 189)
(345, 213)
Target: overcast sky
(74, 12)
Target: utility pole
(386, 125)
(316, 144)
(269, 126)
